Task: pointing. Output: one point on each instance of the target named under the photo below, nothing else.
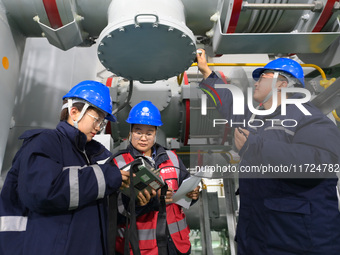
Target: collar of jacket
(93, 149)
(77, 137)
(158, 150)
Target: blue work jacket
(54, 197)
(286, 213)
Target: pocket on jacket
(288, 224)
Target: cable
(127, 101)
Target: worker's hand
(241, 136)
(194, 194)
(145, 197)
(125, 179)
(168, 196)
(202, 63)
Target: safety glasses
(97, 122)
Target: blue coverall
(54, 197)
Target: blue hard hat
(285, 65)
(145, 113)
(96, 94)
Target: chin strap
(269, 95)
(70, 103)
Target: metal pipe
(316, 6)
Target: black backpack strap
(161, 228)
(130, 235)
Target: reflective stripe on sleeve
(13, 223)
(100, 180)
(74, 184)
(289, 132)
(74, 187)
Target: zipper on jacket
(87, 159)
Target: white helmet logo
(145, 111)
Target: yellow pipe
(336, 115)
(323, 75)
(324, 80)
(216, 185)
(232, 160)
(263, 64)
(180, 78)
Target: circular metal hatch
(146, 51)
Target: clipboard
(147, 177)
